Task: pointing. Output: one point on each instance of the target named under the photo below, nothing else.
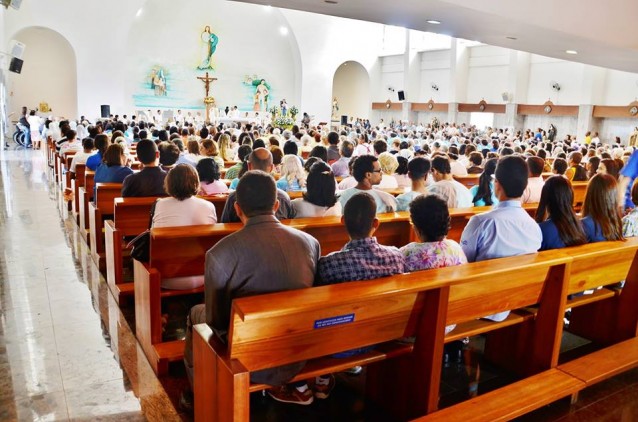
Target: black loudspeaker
(401, 95)
(16, 65)
(344, 120)
(105, 111)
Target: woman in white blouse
(319, 200)
(182, 208)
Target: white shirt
(80, 158)
(347, 183)
(71, 146)
(533, 190)
(455, 193)
(307, 209)
(169, 212)
(457, 168)
(388, 182)
(385, 201)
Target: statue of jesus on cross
(208, 100)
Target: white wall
(544, 70)
(621, 88)
(391, 78)
(608, 129)
(351, 87)
(488, 71)
(48, 74)
(435, 69)
(564, 125)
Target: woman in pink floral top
(431, 220)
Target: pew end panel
(611, 318)
(148, 313)
(523, 343)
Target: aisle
(66, 352)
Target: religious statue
(335, 108)
(210, 41)
(158, 82)
(261, 95)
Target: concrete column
(511, 118)
(453, 113)
(586, 121)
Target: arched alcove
(49, 74)
(351, 88)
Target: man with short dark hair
(259, 159)
(455, 193)
(507, 230)
(264, 256)
(340, 167)
(82, 156)
(418, 170)
(333, 149)
(362, 258)
(150, 180)
(367, 172)
(168, 155)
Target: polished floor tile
(65, 352)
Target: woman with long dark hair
(601, 211)
(319, 200)
(483, 193)
(556, 216)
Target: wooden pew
(469, 180)
(78, 182)
(276, 329)
(609, 317)
(131, 217)
(99, 211)
(85, 196)
(580, 188)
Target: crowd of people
(348, 174)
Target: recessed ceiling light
(571, 51)
(433, 22)
(283, 30)
(512, 38)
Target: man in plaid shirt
(362, 258)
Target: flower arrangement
(283, 122)
(293, 111)
(274, 110)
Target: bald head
(260, 159)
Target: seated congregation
(267, 178)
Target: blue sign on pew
(337, 320)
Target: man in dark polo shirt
(150, 180)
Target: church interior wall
(50, 58)
(564, 124)
(114, 53)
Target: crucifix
(207, 80)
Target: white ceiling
(605, 33)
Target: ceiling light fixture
(433, 22)
(283, 30)
(571, 51)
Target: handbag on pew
(141, 244)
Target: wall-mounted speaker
(401, 95)
(16, 49)
(105, 111)
(344, 120)
(16, 65)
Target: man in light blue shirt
(367, 172)
(507, 230)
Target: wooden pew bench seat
(511, 401)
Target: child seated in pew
(431, 220)
(362, 258)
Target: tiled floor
(67, 352)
